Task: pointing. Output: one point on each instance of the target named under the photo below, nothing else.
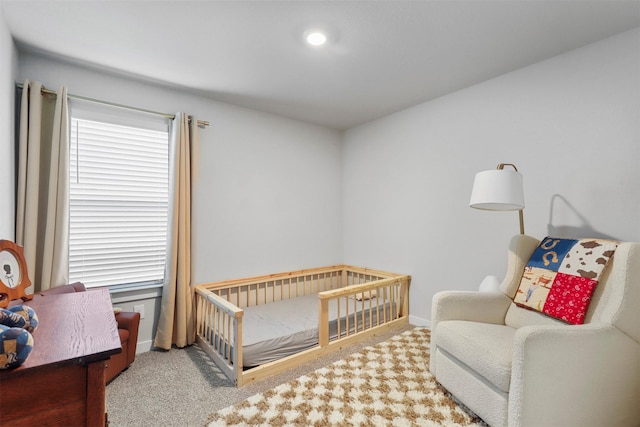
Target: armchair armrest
(131, 322)
(128, 320)
(595, 367)
(469, 305)
(65, 289)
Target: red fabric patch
(569, 298)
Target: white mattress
(278, 329)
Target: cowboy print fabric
(562, 274)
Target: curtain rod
(84, 98)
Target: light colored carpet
(183, 387)
(388, 384)
(174, 388)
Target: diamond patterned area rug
(388, 384)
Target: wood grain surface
(62, 383)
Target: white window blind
(118, 202)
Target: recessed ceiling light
(316, 38)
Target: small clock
(14, 277)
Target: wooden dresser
(63, 380)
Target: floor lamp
(499, 189)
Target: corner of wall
(8, 69)
(419, 321)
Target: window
(119, 190)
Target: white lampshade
(498, 190)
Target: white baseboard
(144, 346)
(419, 321)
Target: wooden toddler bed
(256, 327)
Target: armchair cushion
(561, 276)
(466, 305)
(484, 347)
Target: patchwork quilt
(561, 276)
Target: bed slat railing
(379, 302)
(364, 300)
(219, 328)
(275, 287)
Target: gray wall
(571, 125)
(276, 194)
(267, 197)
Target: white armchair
(516, 367)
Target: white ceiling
(383, 56)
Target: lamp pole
(520, 211)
